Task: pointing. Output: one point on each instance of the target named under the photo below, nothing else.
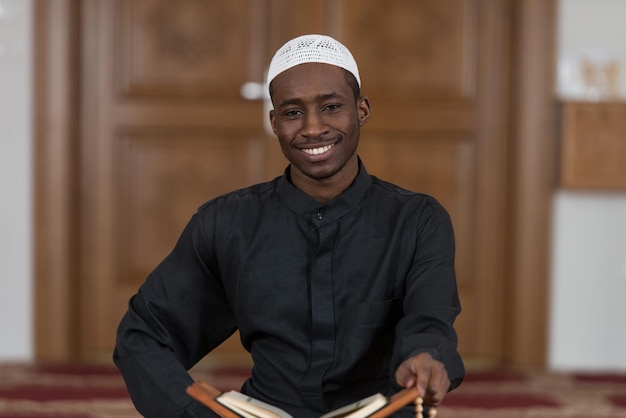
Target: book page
(359, 409)
(243, 403)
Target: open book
(236, 405)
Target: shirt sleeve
(179, 314)
(431, 304)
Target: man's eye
(332, 107)
(293, 112)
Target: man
(341, 285)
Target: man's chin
(322, 173)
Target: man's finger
(423, 379)
(438, 386)
(405, 375)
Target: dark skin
(317, 121)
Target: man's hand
(429, 375)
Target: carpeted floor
(537, 395)
(62, 391)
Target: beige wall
(589, 246)
(15, 180)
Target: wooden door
(163, 128)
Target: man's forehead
(311, 81)
(312, 98)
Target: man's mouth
(318, 150)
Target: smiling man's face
(317, 121)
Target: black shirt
(328, 298)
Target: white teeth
(317, 151)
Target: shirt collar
(304, 205)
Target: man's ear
(273, 120)
(363, 106)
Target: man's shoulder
(247, 195)
(384, 186)
(392, 191)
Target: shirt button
(320, 215)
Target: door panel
(163, 129)
(414, 50)
(433, 71)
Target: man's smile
(318, 150)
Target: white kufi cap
(312, 48)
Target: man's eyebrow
(289, 102)
(328, 96)
(298, 101)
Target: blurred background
(119, 118)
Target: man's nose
(314, 125)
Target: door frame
(532, 166)
(56, 109)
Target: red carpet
(53, 391)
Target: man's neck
(325, 190)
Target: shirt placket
(322, 306)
